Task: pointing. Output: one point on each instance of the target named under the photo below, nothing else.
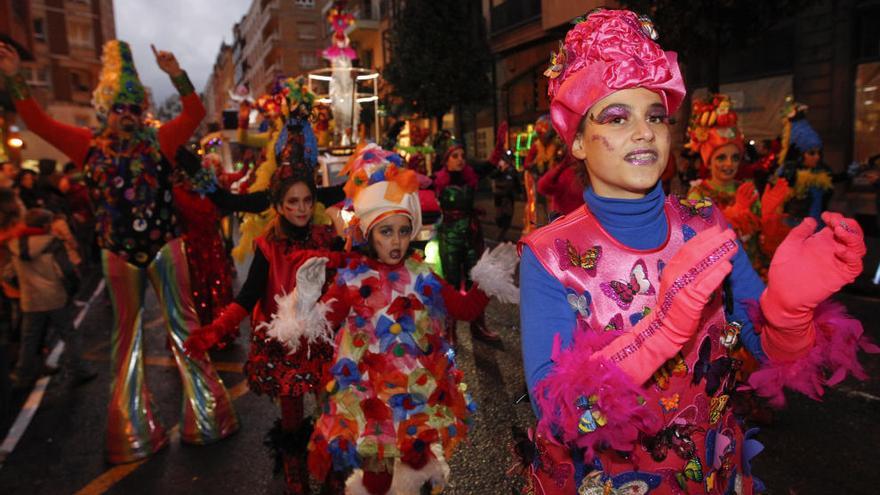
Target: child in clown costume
(397, 407)
(714, 135)
(629, 348)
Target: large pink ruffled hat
(607, 51)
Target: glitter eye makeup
(657, 113)
(611, 113)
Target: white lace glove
(299, 315)
(309, 281)
(494, 273)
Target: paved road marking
(114, 475)
(36, 396)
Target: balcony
(513, 13)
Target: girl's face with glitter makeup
(624, 142)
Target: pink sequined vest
(610, 288)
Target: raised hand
(310, 281)
(167, 62)
(746, 195)
(10, 62)
(810, 266)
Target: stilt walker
(128, 167)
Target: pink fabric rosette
(609, 51)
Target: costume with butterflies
(632, 355)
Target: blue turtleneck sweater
(638, 224)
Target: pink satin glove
(808, 268)
(686, 286)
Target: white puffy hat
(379, 186)
(372, 205)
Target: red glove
(806, 270)
(739, 214)
(686, 286)
(204, 338)
(773, 228)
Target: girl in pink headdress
(630, 348)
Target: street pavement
(811, 447)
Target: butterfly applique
(615, 324)
(630, 482)
(716, 408)
(580, 303)
(591, 417)
(674, 367)
(570, 257)
(557, 63)
(693, 471)
(687, 233)
(637, 317)
(670, 404)
(690, 208)
(623, 293)
(715, 372)
(676, 437)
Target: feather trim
(294, 326)
(354, 485)
(619, 414)
(839, 337)
(408, 480)
(494, 273)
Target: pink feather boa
(839, 337)
(575, 374)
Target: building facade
(67, 36)
(220, 83)
(277, 37)
(827, 56)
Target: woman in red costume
(201, 204)
(271, 369)
(715, 136)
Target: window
(309, 4)
(80, 81)
(307, 30)
(80, 34)
(867, 112)
(39, 29)
(308, 60)
(36, 76)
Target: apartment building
(66, 41)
